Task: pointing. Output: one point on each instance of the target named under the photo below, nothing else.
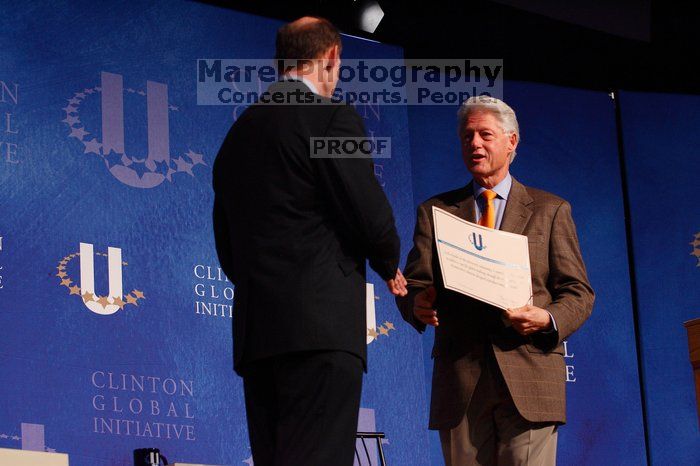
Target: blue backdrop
(105, 189)
(660, 139)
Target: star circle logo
(109, 304)
(137, 171)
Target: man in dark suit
(498, 390)
(293, 232)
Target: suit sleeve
(222, 233)
(357, 198)
(419, 266)
(222, 239)
(572, 295)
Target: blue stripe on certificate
(487, 259)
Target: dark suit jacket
(293, 232)
(533, 368)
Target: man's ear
(513, 141)
(331, 57)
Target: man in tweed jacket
(498, 390)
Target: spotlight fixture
(370, 14)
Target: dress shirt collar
(502, 188)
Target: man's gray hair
(502, 111)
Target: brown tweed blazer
(533, 367)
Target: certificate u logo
(477, 243)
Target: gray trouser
(493, 432)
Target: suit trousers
(302, 408)
(493, 432)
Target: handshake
(397, 285)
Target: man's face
(485, 147)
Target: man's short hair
(502, 111)
(302, 43)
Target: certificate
(490, 265)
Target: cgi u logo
(370, 311)
(110, 303)
(158, 130)
(477, 242)
(103, 305)
(133, 170)
(374, 332)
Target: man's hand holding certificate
(489, 265)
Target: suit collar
(285, 85)
(517, 212)
(298, 92)
(464, 202)
(302, 79)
